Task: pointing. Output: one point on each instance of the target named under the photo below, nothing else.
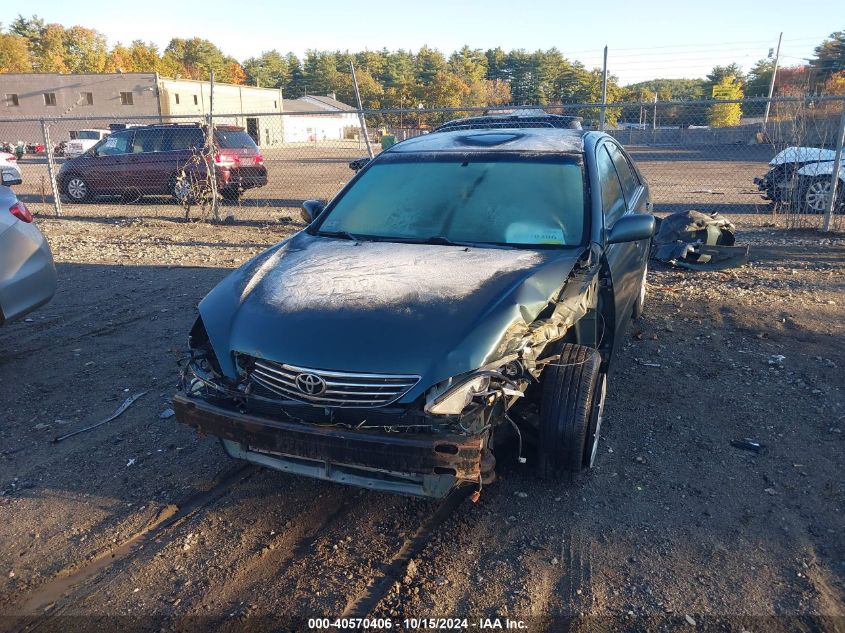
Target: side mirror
(310, 210)
(631, 228)
(10, 178)
(358, 164)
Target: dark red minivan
(149, 160)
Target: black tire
(570, 413)
(639, 304)
(233, 194)
(76, 189)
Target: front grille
(329, 388)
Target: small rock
(410, 571)
(41, 426)
(521, 495)
(690, 620)
(555, 561)
(776, 360)
(166, 414)
(770, 491)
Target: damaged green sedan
(466, 288)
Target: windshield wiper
(345, 235)
(443, 240)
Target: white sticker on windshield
(527, 233)
(110, 142)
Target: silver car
(27, 273)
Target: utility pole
(772, 83)
(837, 168)
(654, 115)
(361, 112)
(642, 118)
(603, 92)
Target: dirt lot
(675, 529)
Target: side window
(612, 199)
(115, 144)
(630, 182)
(147, 141)
(180, 139)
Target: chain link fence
(260, 167)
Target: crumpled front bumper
(407, 463)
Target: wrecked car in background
(802, 175)
(465, 288)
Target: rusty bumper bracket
(456, 455)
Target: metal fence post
(837, 164)
(51, 168)
(211, 151)
(603, 92)
(362, 120)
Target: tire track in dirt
(263, 569)
(343, 559)
(463, 553)
(364, 603)
(73, 584)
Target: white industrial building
(321, 119)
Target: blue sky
(646, 39)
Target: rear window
(235, 139)
(178, 139)
(88, 135)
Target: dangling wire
(520, 458)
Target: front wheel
(571, 409)
(76, 189)
(814, 195)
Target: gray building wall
(71, 93)
(98, 99)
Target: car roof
(541, 140)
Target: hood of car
(821, 169)
(381, 307)
(802, 155)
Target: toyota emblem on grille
(310, 384)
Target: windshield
(88, 135)
(510, 201)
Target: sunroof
(489, 139)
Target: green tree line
(405, 79)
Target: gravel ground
(675, 528)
